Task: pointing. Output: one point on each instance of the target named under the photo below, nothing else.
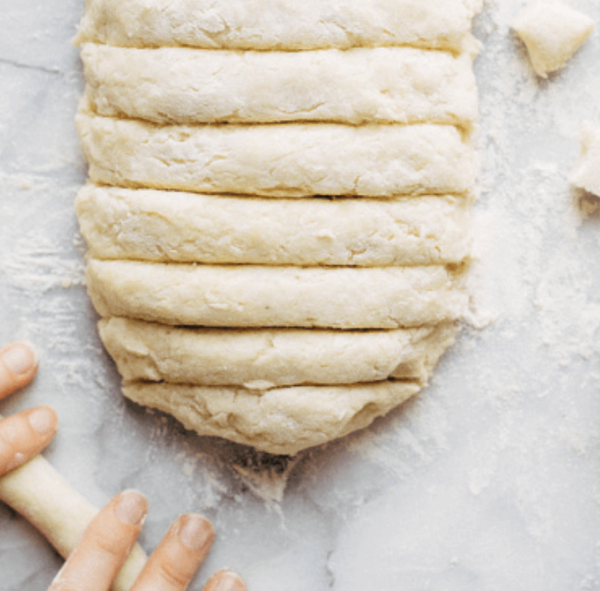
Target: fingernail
(225, 580)
(132, 507)
(20, 358)
(196, 532)
(43, 420)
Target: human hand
(25, 434)
(106, 542)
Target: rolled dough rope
(279, 24)
(41, 495)
(279, 160)
(185, 86)
(279, 421)
(164, 226)
(251, 296)
(262, 359)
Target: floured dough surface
(182, 227)
(586, 174)
(280, 24)
(279, 160)
(253, 296)
(185, 86)
(552, 32)
(282, 420)
(263, 359)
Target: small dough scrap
(552, 33)
(279, 160)
(280, 24)
(263, 358)
(279, 421)
(161, 226)
(175, 85)
(252, 296)
(586, 174)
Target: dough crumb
(586, 174)
(552, 33)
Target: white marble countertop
(488, 480)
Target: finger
(24, 435)
(104, 546)
(225, 580)
(176, 559)
(18, 366)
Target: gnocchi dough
(586, 174)
(552, 33)
(162, 226)
(280, 24)
(263, 358)
(279, 160)
(254, 296)
(281, 420)
(278, 206)
(175, 85)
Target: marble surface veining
(488, 481)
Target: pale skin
(105, 544)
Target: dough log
(185, 86)
(43, 497)
(262, 359)
(164, 226)
(252, 296)
(280, 24)
(279, 160)
(279, 421)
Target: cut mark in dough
(263, 359)
(252, 296)
(186, 86)
(280, 24)
(279, 421)
(279, 160)
(552, 33)
(162, 226)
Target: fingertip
(225, 580)
(131, 507)
(18, 366)
(195, 532)
(43, 420)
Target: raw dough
(253, 296)
(183, 86)
(280, 421)
(183, 227)
(280, 24)
(262, 359)
(279, 159)
(586, 174)
(552, 33)
(47, 501)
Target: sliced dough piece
(279, 24)
(251, 296)
(184, 227)
(262, 359)
(279, 159)
(43, 497)
(586, 174)
(279, 421)
(185, 86)
(552, 33)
